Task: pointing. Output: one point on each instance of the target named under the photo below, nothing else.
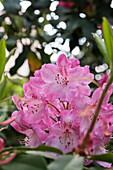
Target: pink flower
(102, 130)
(104, 78)
(65, 78)
(66, 4)
(64, 134)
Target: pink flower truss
(57, 109)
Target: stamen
(52, 118)
(63, 104)
(54, 106)
(67, 106)
(87, 78)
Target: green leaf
(102, 47)
(12, 52)
(2, 56)
(39, 148)
(67, 162)
(49, 149)
(44, 154)
(26, 162)
(1, 1)
(108, 38)
(103, 157)
(2, 117)
(3, 87)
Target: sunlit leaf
(108, 38)
(3, 87)
(1, 1)
(2, 56)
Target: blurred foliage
(27, 27)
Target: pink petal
(48, 73)
(1, 144)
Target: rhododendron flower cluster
(57, 109)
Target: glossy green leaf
(44, 154)
(2, 56)
(26, 162)
(102, 47)
(103, 157)
(3, 87)
(108, 38)
(67, 162)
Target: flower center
(61, 80)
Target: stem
(39, 148)
(96, 113)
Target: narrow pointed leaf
(108, 38)
(10, 54)
(2, 56)
(3, 87)
(103, 157)
(102, 47)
